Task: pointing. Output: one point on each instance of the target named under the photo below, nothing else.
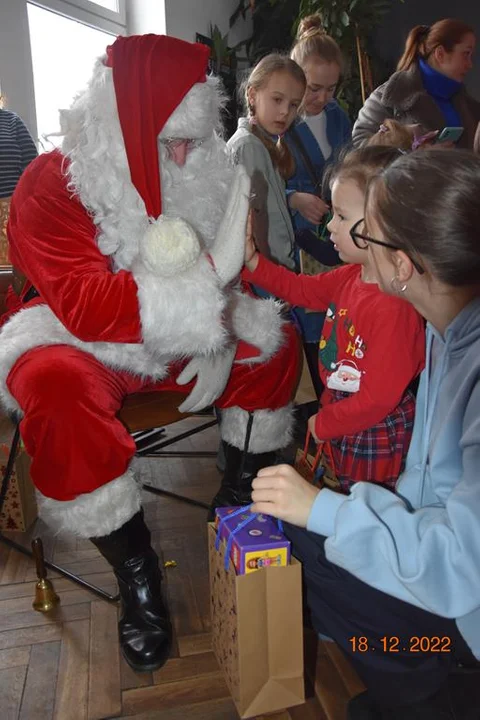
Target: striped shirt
(17, 149)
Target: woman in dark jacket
(428, 85)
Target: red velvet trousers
(70, 402)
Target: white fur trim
(93, 514)
(198, 113)
(259, 322)
(182, 315)
(169, 246)
(271, 429)
(37, 326)
(228, 252)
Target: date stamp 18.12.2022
(395, 644)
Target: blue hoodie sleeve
(428, 557)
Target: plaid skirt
(375, 455)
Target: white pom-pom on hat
(169, 246)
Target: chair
(145, 415)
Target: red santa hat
(151, 74)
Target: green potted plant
(349, 22)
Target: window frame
(89, 13)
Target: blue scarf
(442, 89)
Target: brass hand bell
(46, 599)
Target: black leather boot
(236, 486)
(144, 628)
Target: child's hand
(311, 426)
(251, 253)
(280, 491)
(310, 206)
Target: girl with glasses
(394, 578)
(371, 348)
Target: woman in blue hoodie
(394, 577)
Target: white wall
(16, 76)
(146, 16)
(187, 17)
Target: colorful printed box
(259, 544)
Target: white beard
(198, 191)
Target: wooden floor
(67, 666)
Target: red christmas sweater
(382, 335)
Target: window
(109, 4)
(63, 54)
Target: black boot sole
(145, 668)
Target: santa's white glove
(212, 373)
(228, 251)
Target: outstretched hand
(280, 491)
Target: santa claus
(131, 240)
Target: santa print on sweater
(379, 335)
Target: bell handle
(37, 549)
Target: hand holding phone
(449, 134)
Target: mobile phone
(450, 134)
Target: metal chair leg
(147, 446)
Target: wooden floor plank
(81, 568)
(67, 597)
(4, 553)
(177, 694)
(352, 682)
(14, 657)
(194, 644)
(16, 568)
(30, 636)
(12, 681)
(32, 619)
(188, 667)
(104, 690)
(311, 710)
(39, 692)
(105, 580)
(222, 709)
(130, 679)
(72, 682)
(330, 690)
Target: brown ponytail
(279, 152)
(423, 40)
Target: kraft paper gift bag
(257, 633)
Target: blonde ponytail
(313, 42)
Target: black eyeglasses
(361, 241)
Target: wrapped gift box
(259, 544)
